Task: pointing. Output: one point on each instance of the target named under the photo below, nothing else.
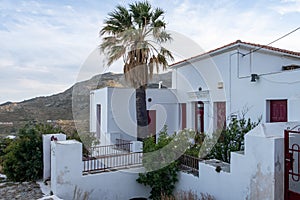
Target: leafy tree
(86, 138)
(4, 142)
(23, 156)
(136, 34)
(231, 139)
(219, 145)
(161, 164)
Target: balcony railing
(123, 144)
(189, 164)
(111, 162)
(119, 156)
(115, 149)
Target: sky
(44, 44)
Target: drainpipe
(230, 71)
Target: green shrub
(23, 156)
(22, 159)
(219, 145)
(4, 142)
(162, 165)
(231, 139)
(87, 139)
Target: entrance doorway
(219, 115)
(199, 117)
(152, 123)
(98, 121)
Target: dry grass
(78, 194)
(188, 195)
(205, 196)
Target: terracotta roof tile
(259, 46)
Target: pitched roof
(257, 46)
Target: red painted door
(278, 111)
(219, 115)
(152, 123)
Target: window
(278, 110)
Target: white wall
(118, 112)
(256, 174)
(65, 167)
(273, 83)
(165, 102)
(121, 114)
(66, 175)
(46, 152)
(98, 97)
(234, 70)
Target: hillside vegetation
(57, 108)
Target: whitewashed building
(207, 90)
(112, 113)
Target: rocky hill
(58, 107)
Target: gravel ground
(20, 191)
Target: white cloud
(40, 40)
(215, 24)
(287, 6)
(44, 43)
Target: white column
(46, 152)
(190, 115)
(66, 167)
(208, 120)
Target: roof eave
(229, 48)
(205, 55)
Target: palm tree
(136, 34)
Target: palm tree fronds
(166, 53)
(136, 34)
(119, 20)
(158, 12)
(141, 13)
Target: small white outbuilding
(112, 113)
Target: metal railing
(118, 156)
(123, 144)
(189, 164)
(111, 162)
(115, 149)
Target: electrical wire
(273, 41)
(279, 82)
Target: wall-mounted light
(254, 77)
(220, 85)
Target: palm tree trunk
(141, 113)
